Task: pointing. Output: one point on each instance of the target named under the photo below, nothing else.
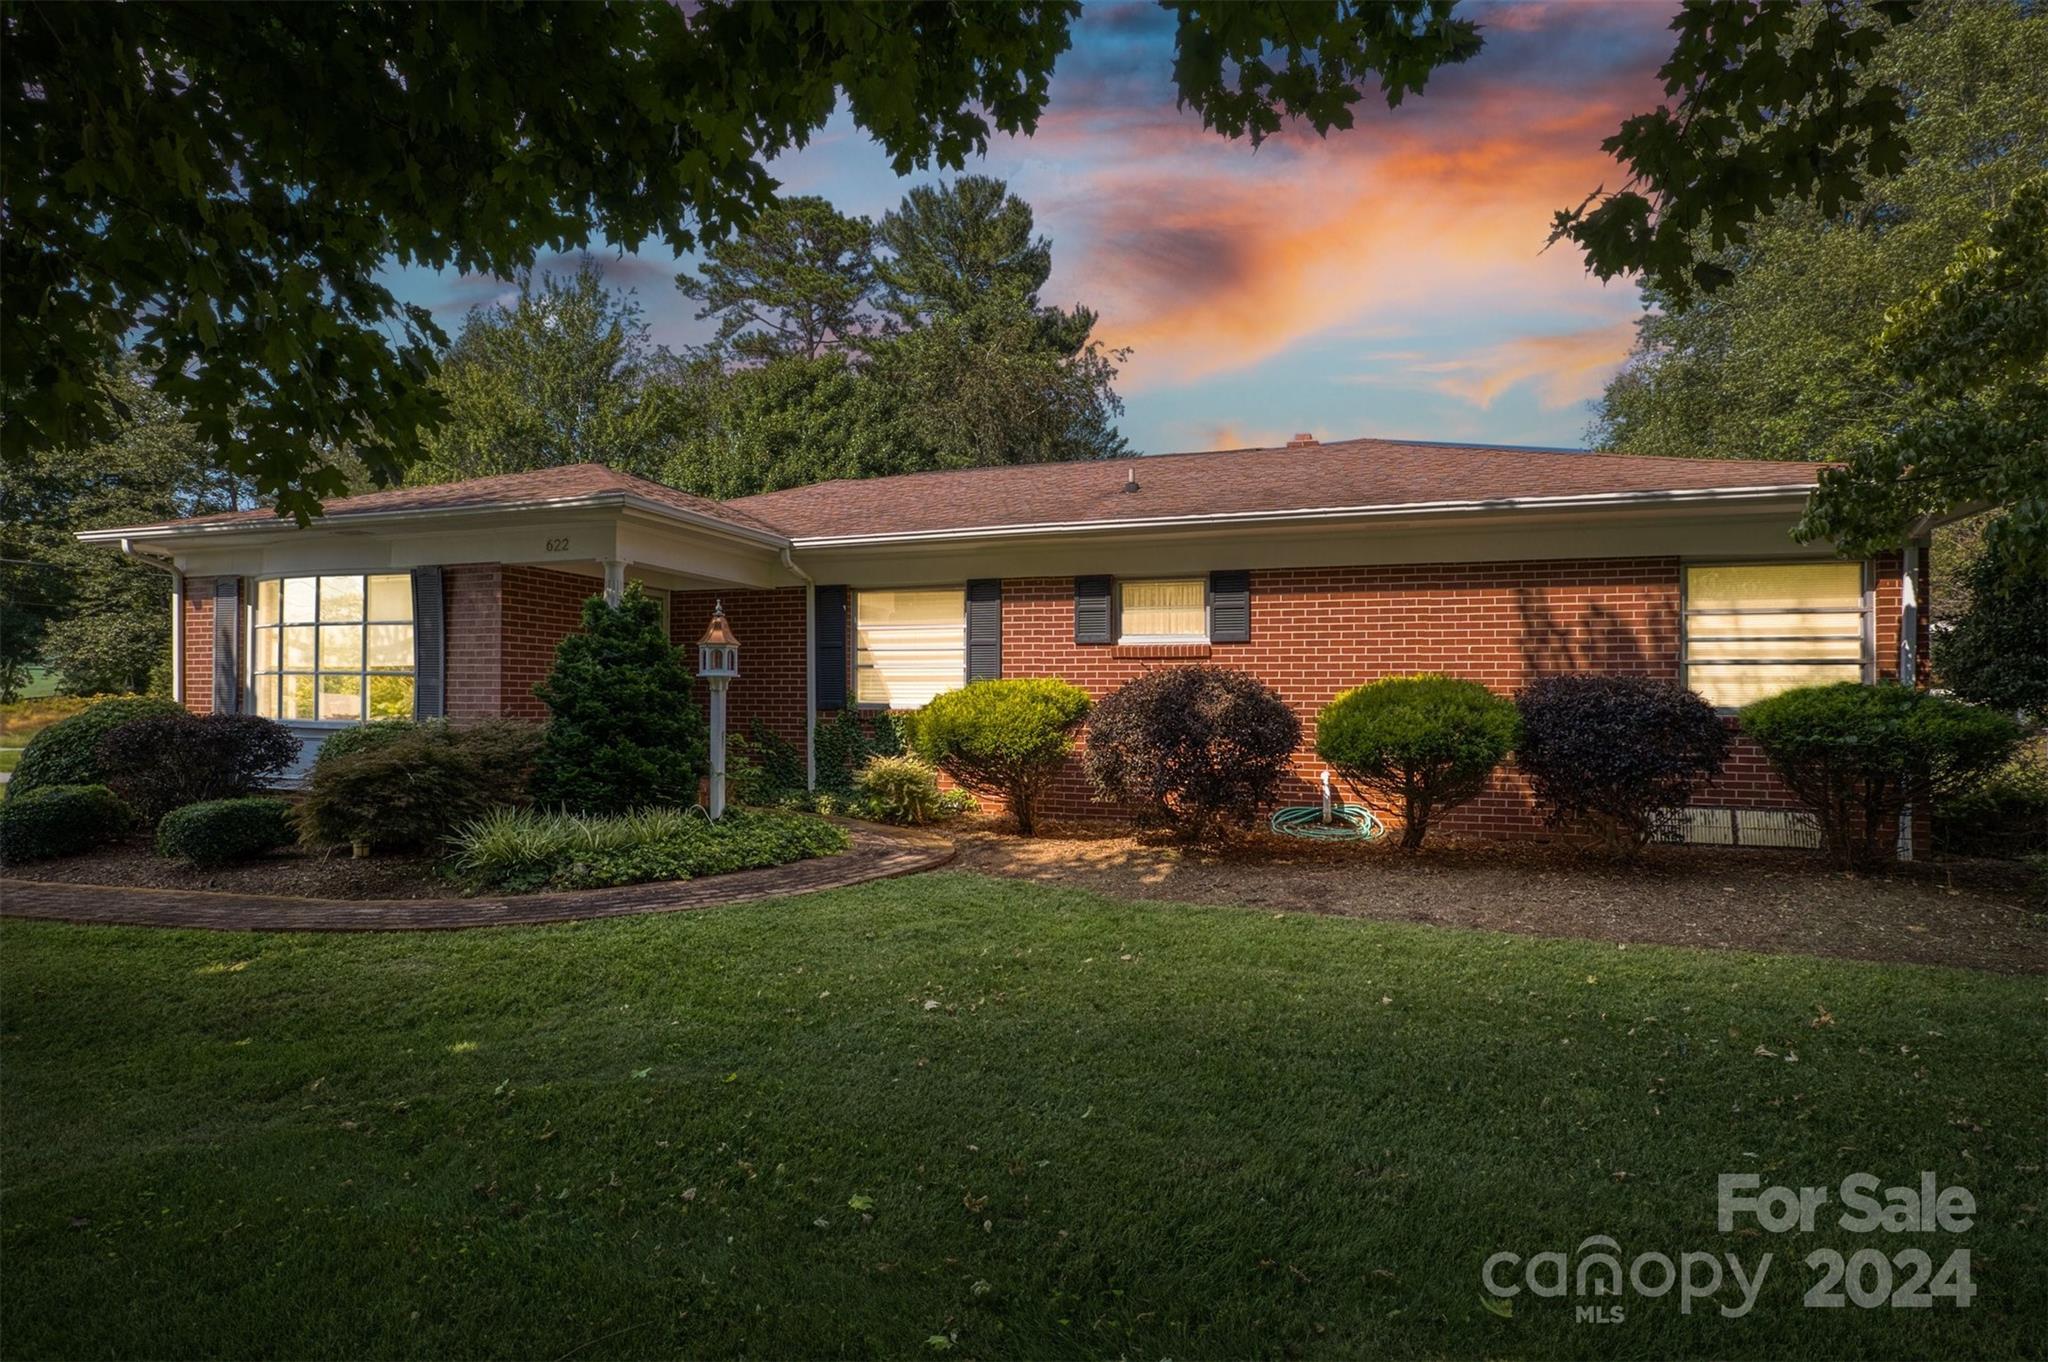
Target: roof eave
(184, 532)
(1690, 499)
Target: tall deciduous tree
(1779, 364)
(796, 283)
(224, 186)
(563, 373)
(101, 619)
(1772, 103)
(1971, 354)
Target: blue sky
(1388, 280)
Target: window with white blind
(1755, 629)
(334, 649)
(1173, 610)
(908, 645)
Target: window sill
(1181, 650)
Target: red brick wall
(1318, 631)
(539, 609)
(473, 615)
(770, 627)
(198, 644)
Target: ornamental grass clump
(1858, 755)
(900, 790)
(1619, 754)
(1009, 739)
(1427, 743)
(520, 850)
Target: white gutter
(177, 616)
(810, 671)
(1255, 519)
(600, 500)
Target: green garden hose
(1351, 822)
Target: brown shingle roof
(1347, 473)
(571, 482)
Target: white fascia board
(173, 530)
(1689, 499)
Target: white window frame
(853, 595)
(1117, 585)
(1866, 610)
(249, 630)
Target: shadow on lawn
(1963, 913)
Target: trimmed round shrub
(60, 820)
(223, 831)
(625, 731)
(418, 788)
(1196, 748)
(900, 790)
(362, 737)
(1620, 753)
(68, 751)
(1427, 743)
(1003, 738)
(164, 763)
(1857, 755)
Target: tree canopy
(1779, 363)
(1971, 355)
(565, 372)
(221, 186)
(1801, 354)
(793, 284)
(1773, 103)
(102, 619)
(165, 188)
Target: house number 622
(558, 545)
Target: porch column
(1909, 662)
(614, 579)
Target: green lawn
(961, 1116)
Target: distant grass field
(959, 1115)
(22, 719)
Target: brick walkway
(876, 854)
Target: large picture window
(334, 649)
(1173, 610)
(909, 645)
(1755, 629)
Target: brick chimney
(1301, 439)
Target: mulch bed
(1974, 914)
(294, 874)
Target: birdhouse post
(718, 662)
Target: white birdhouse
(718, 652)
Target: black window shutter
(985, 629)
(829, 662)
(1230, 607)
(429, 645)
(227, 633)
(1091, 609)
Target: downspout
(177, 616)
(810, 670)
(1909, 663)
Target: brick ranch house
(1315, 566)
